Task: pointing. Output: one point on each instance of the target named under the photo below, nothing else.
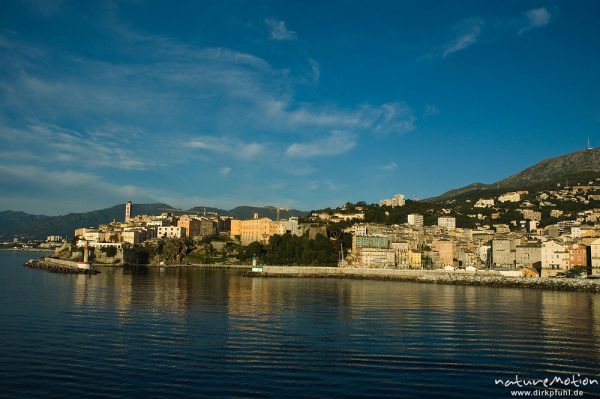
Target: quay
(480, 278)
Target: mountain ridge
(19, 223)
(574, 167)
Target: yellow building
(415, 259)
(256, 230)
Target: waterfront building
(577, 255)
(415, 259)
(415, 219)
(373, 257)
(445, 249)
(528, 254)
(401, 249)
(595, 244)
(555, 258)
(502, 255)
(466, 257)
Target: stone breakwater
(58, 268)
(432, 277)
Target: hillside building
(447, 222)
(415, 219)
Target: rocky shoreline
(55, 268)
(563, 284)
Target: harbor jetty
(481, 278)
(58, 266)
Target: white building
(93, 236)
(448, 222)
(170, 232)
(158, 222)
(484, 203)
(360, 229)
(555, 258)
(132, 237)
(376, 257)
(415, 219)
(511, 197)
(595, 256)
(348, 216)
(396, 200)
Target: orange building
(191, 226)
(577, 256)
(446, 250)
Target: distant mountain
(247, 212)
(40, 226)
(577, 167)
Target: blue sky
(299, 104)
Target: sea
(210, 333)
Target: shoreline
(431, 277)
(181, 266)
(27, 249)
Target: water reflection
(204, 332)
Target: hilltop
(577, 167)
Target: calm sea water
(209, 333)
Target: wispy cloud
(278, 30)
(107, 147)
(390, 166)
(224, 171)
(232, 147)
(107, 117)
(536, 18)
(336, 143)
(388, 118)
(469, 31)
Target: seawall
(480, 278)
(58, 266)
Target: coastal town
(545, 238)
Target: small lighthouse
(86, 258)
